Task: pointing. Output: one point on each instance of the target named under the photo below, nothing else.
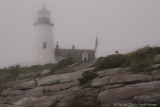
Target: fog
(122, 25)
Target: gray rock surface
(131, 78)
(44, 72)
(148, 98)
(97, 82)
(155, 66)
(62, 78)
(112, 86)
(128, 92)
(157, 58)
(25, 86)
(84, 65)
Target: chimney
(73, 47)
(57, 45)
(57, 50)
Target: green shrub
(3, 88)
(46, 91)
(86, 76)
(140, 59)
(87, 85)
(154, 50)
(11, 73)
(37, 68)
(63, 63)
(37, 75)
(111, 61)
(158, 50)
(77, 103)
(142, 65)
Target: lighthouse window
(44, 45)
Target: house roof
(75, 53)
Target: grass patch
(87, 85)
(63, 63)
(46, 91)
(111, 61)
(76, 103)
(87, 76)
(139, 61)
(11, 73)
(143, 65)
(3, 88)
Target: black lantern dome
(44, 11)
(44, 17)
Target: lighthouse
(43, 41)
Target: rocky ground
(117, 87)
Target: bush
(87, 84)
(111, 61)
(46, 91)
(3, 88)
(36, 68)
(63, 63)
(139, 60)
(154, 50)
(77, 103)
(11, 73)
(87, 76)
(142, 65)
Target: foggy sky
(122, 25)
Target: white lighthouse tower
(44, 44)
